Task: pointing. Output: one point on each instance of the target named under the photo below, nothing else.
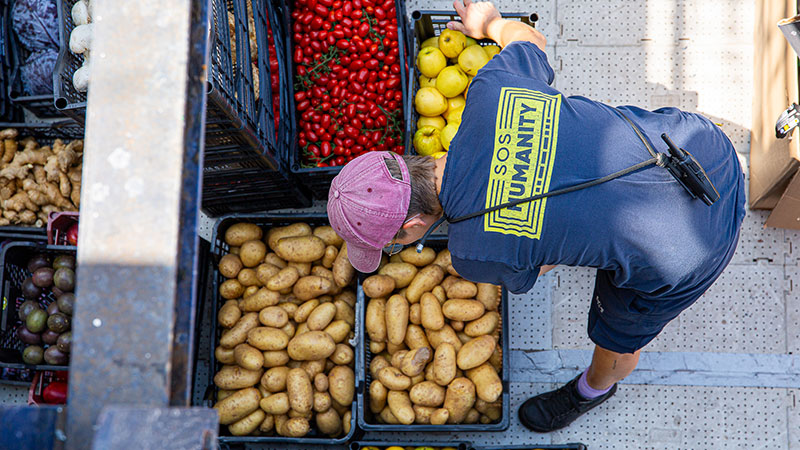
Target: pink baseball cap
(367, 206)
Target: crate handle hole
(416, 15)
(61, 103)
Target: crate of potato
(435, 351)
(283, 354)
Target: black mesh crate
(206, 386)
(367, 420)
(40, 105)
(424, 25)
(318, 179)
(14, 258)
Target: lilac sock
(587, 391)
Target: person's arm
(544, 269)
(480, 20)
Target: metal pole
(141, 190)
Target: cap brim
(364, 259)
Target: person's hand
(475, 18)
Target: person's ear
(416, 221)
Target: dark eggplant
(27, 337)
(50, 337)
(52, 308)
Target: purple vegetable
(37, 73)
(36, 24)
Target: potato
(338, 330)
(311, 286)
(328, 235)
(400, 405)
(248, 357)
(321, 316)
(330, 256)
(235, 377)
(427, 393)
(417, 379)
(248, 291)
(462, 289)
(273, 316)
(489, 295)
(343, 271)
(394, 348)
(268, 424)
(486, 324)
(396, 319)
(275, 260)
(305, 310)
(322, 400)
(328, 422)
(342, 384)
(422, 414)
(314, 367)
(260, 300)
(343, 354)
(280, 421)
(275, 358)
(304, 269)
(472, 416)
(378, 286)
(445, 334)
(320, 382)
(394, 379)
(459, 399)
(378, 362)
(348, 296)
(238, 333)
(377, 396)
(440, 416)
(223, 394)
(475, 352)
(290, 308)
(458, 326)
(300, 248)
(230, 265)
(386, 416)
(397, 359)
(424, 281)
(234, 251)
(229, 314)
(401, 272)
(224, 355)
(347, 419)
(274, 379)
(320, 271)
(296, 427)
(462, 309)
(239, 233)
(439, 293)
(247, 278)
(265, 271)
(267, 338)
(252, 252)
(311, 345)
(344, 312)
(231, 289)
(415, 337)
(278, 233)
(301, 328)
(488, 385)
(444, 364)
(298, 387)
(431, 312)
(247, 424)
(376, 320)
(443, 259)
(452, 271)
(285, 278)
(237, 405)
(422, 259)
(449, 281)
(376, 347)
(414, 361)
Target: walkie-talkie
(689, 173)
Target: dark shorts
(623, 321)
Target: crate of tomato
(350, 68)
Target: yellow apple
(430, 61)
(436, 122)
(472, 59)
(452, 42)
(426, 82)
(491, 50)
(451, 81)
(454, 115)
(471, 41)
(438, 155)
(456, 102)
(447, 134)
(430, 42)
(430, 102)
(427, 141)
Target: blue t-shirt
(521, 137)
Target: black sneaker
(556, 409)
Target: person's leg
(610, 367)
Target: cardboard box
(774, 163)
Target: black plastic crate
(8, 110)
(426, 24)
(41, 106)
(218, 249)
(14, 258)
(366, 420)
(531, 447)
(361, 445)
(318, 179)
